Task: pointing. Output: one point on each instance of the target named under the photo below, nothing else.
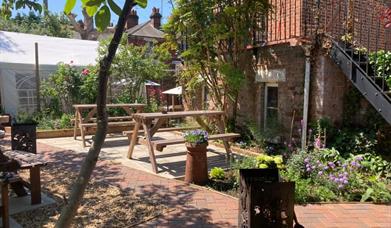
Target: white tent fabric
(174, 91)
(17, 65)
(19, 48)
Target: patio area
(193, 206)
(171, 161)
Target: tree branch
(69, 210)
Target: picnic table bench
(6, 179)
(145, 120)
(32, 162)
(89, 121)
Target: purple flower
(306, 160)
(320, 173)
(359, 158)
(308, 169)
(353, 163)
(340, 186)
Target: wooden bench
(6, 179)
(32, 162)
(160, 144)
(118, 123)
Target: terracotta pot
(196, 164)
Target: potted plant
(196, 161)
(24, 133)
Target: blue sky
(58, 6)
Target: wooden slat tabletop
(155, 115)
(25, 159)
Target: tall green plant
(381, 61)
(216, 33)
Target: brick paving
(198, 207)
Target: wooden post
(35, 181)
(37, 78)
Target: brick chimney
(132, 19)
(156, 18)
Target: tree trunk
(45, 7)
(70, 209)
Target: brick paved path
(198, 207)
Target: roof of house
(145, 29)
(19, 48)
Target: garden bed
(103, 205)
(68, 132)
(320, 176)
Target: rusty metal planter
(24, 137)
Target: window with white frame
(271, 104)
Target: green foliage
(266, 161)
(196, 136)
(100, 10)
(8, 5)
(69, 85)
(217, 173)
(133, 65)
(25, 118)
(354, 141)
(216, 33)
(324, 175)
(32, 23)
(47, 121)
(381, 61)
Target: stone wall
(290, 91)
(327, 89)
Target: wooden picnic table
(145, 120)
(83, 123)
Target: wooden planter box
(58, 133)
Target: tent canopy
(19, 48)
(174, 91)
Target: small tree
(133, 65)
(215, 34)
(102, 20)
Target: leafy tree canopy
(33, 23)
(8, 5)
(133, 65)
(100, 10)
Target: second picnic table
(82, 123)
(145, 120)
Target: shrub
(217, 173)
(331, 177)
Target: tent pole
(37, 78)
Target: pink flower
(85, 72)
(318, 143)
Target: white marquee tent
(17, 65)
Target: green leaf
(366, 195)
(142, 3)
(102, 18)
(114, 7)
(91, 10)
(91, 3)
(69, 5)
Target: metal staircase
(356, 66)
